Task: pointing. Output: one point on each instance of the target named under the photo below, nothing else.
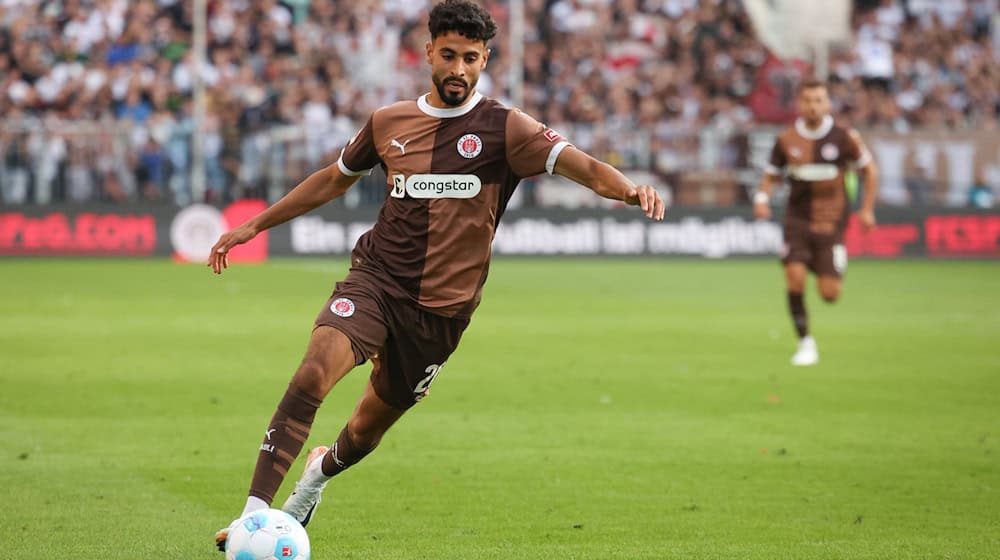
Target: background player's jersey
(815, 162)
(450, 174)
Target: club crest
(470, 146)
(342, 307)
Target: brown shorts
(824, 254)
(408, 346)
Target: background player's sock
(343, 453)
(283, 440)
(797, 307)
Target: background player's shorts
(407, 345)
(825, 255)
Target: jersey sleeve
(856, 152)
(776, 163)
(532, 148)
(359, 156)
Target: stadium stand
(97, 94)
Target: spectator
(981, 195)
(599, 70)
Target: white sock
(253, 504)
(314, 474)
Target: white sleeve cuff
(550, 163)
(772, 170)
(348, 171)
(864, 160)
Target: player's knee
(830, 294)
(313, 378)
(795, 284)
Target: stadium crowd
(74, 71)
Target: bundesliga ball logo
(469, 146)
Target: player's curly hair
(463, 17)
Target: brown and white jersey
(450, 173)
(815, 163)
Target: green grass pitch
(598, 409)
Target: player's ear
(430, 52)
(486, 56)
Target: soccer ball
(267, 534)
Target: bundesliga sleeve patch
(551, 135)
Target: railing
(46, 161)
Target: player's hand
(762, 211)
(646, 198)
(867, 219)
(218, 259)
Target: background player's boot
(807, 354)
(222, 534)
(309, 489)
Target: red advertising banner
(962, 236)
(86, 233)
(887, 240)
(187, 234)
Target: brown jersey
(450, 173)
(815, 162)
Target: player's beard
(449, 98)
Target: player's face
(814, 104)
(456, 62)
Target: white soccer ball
(267, 534)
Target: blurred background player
(814, 154)
(453, 158)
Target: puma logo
(402, 147)
(269, 432)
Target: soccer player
(452, 159)
(814, 154)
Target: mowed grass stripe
(596, 409)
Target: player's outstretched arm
(608, 182)
(317, 189)
(866, 214)
(762, 198)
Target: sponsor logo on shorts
(470, 146)
(342, 307)
(829, 152)
(443, 186)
